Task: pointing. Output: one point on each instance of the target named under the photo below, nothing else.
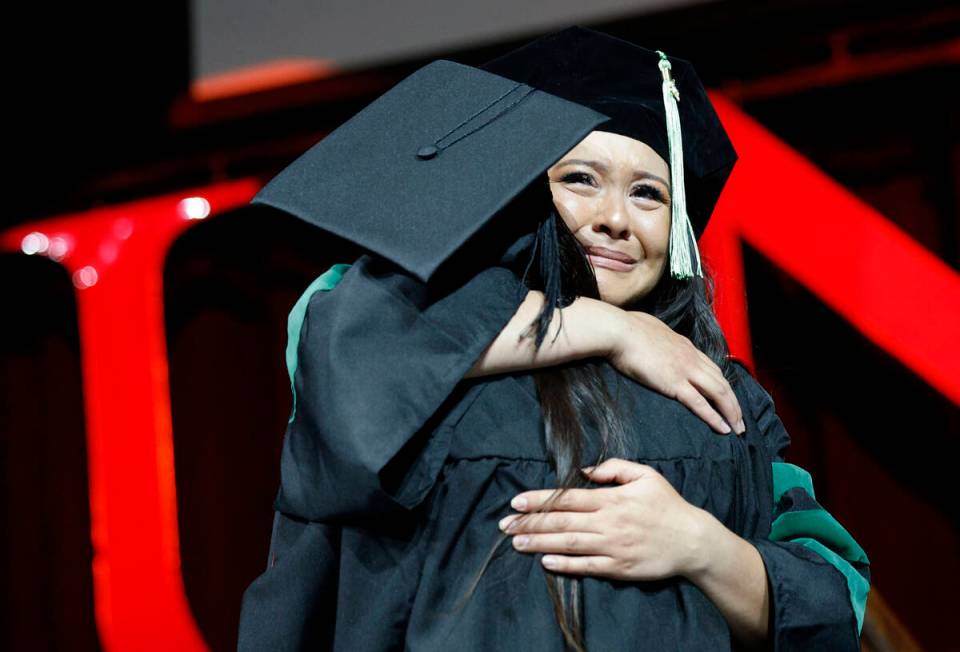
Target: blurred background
(144, 393)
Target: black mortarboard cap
(626, 82)
(421, 169)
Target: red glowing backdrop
(897, 294)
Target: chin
(612, 296)
(622, 289)
(618, 295)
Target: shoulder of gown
(761, 407)
(819, 576)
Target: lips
(603, 252)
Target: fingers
(719, 391)
(693, 399)
(724, 393)
(710, 385)
(708, 361)
(598, 565)
(540, 522)
(616, 470)
(576, 543)
(574, 500)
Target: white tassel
(682, 237)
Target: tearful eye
(645, 190)
(578, 177)
(649, 191)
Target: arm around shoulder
(584, 329)
(377, 357)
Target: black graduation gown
(396, 471)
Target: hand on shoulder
(647, 350)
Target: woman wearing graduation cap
(532, 300)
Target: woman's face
(613, 194)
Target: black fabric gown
(396, 471)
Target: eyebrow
(600, 165)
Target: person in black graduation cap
(490, 344)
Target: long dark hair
(575, 394)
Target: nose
(611, 218)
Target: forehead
(616, 149)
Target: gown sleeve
(373, 354)
(818, 575)
(377, 356)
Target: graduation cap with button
(421, 169)
(650, 97)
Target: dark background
(99, 113)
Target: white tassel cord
(682, 237)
